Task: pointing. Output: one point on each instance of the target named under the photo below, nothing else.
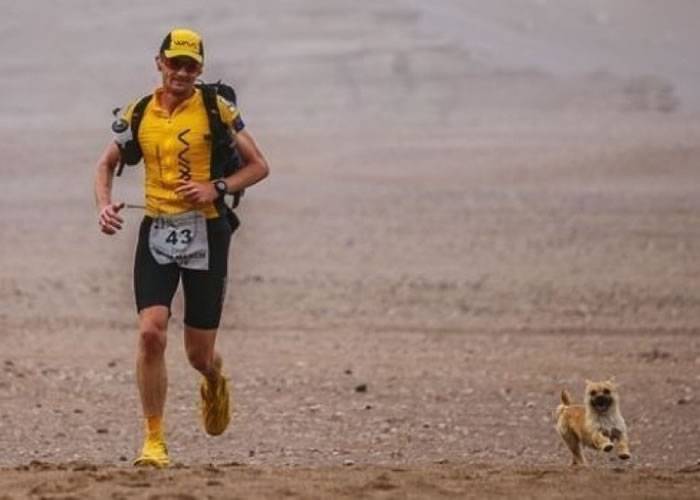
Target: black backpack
(225, 158)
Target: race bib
(180, 239)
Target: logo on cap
(186, 43)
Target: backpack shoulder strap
(130, 153)
(217, 128)
(216, 125)
(225, 158)
(137, 115)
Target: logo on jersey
(183, 160)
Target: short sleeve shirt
(177, 147)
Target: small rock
(112, 364)
(348, 372)
(684, 400)
(361, 388)
(654, 355)
(530, 404)
(84, 466)
(348, 462)
(251, 453)
(122, 458)
(102, 430)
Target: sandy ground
(459, 224)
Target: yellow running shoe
(154, 453)
(216, 413)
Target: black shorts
(155, 284)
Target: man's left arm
(255, 168)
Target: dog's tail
(565, 403)
(565, 398)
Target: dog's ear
(588, 382)
(611, 381)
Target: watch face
(220, 186)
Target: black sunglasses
(178, 63)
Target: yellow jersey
(177, 147)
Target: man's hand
(110, 221)
(197, 192)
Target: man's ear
(158, 62)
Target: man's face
(179, 74)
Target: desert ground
(472, 205)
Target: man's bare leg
(199, 345)
(152, 380)
(216, 412)
(151, 373)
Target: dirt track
(447, 239)
(232, 481)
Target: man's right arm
(109, 220)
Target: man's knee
(200, 358)
(199, 345)
(152, 337)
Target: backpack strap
(225, 159)
(217, 129)
(131, 153)
(137, 115)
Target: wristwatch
(221, 187)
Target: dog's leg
(623, 448)
(574, 445)
(602, 442)
(577, 451)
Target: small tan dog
(597, 423)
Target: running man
(186, 230)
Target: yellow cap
(183, 42)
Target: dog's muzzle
(601, 403)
